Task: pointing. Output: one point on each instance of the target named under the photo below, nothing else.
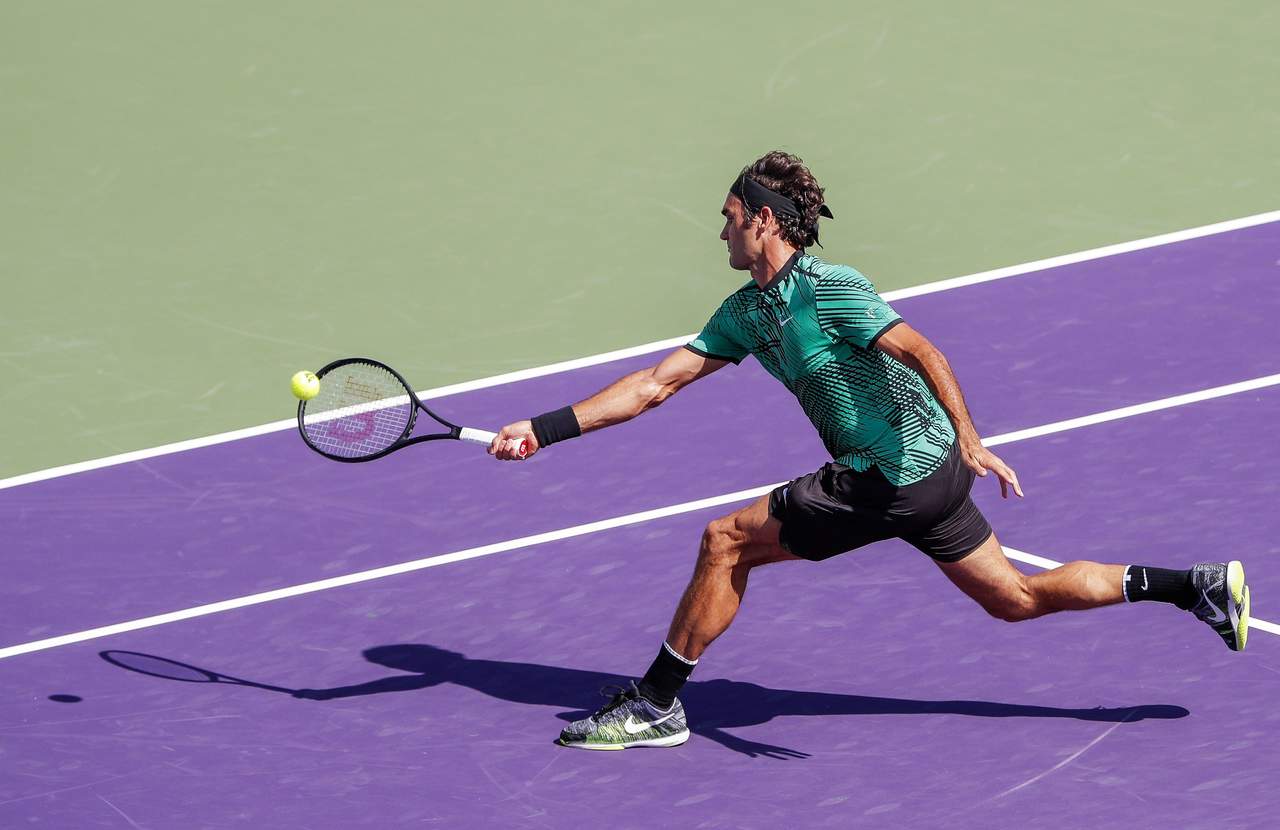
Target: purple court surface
(864, 691)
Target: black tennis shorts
(837, 509)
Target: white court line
(657, 345)
(1136, 409)
(1082, 750)
(609, 524)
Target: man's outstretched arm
(909, 347)
(621, 401)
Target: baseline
(657, 345)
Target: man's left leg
(1215, 592)
(1006, 593)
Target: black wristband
(558, 425)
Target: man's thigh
(754, 533)
(819, 519)
(986, 575)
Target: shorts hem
(952, 558)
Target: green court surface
(199, 201)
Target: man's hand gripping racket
(365, 410)
(515, 442)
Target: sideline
(621, 521)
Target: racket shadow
(164, 668)
(714, 705)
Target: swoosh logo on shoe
(1218, 616)
(634, 728)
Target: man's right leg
(649, 714)
(730, 548)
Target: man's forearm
(932, 365)
(621, 401)
(909, 347)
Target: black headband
(755, 196)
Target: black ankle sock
(1159, 584)
(662, 682)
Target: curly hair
(786, 174)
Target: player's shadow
(713, 705)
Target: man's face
(740, 234)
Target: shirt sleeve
(720, 339)
(849, 309)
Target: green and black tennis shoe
(627, 720)
(1223, 600)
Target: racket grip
(481, 436)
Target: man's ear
(764, 215)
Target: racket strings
(362, 409)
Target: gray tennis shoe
(627, 720)
(1223, 601)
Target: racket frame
(209, 676)
(455, 432)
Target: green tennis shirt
(814, 327)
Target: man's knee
(1014, 603)
(721, 544)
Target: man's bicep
(720, 339)
(901, 342)
(683, 366)
(716, 343)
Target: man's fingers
(981, 462)
(507, 448)
(500, 446)
(1002, 473)
(1007, 477)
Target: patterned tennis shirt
(814, 327)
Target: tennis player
(891, 414)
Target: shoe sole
(667, 740)
(1240, 600)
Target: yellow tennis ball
(305, 386)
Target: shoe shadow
(714, 706)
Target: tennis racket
(365, 409)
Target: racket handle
(480, 436)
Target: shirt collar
(785, 270)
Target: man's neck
(767, 266)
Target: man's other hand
(980, 459)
